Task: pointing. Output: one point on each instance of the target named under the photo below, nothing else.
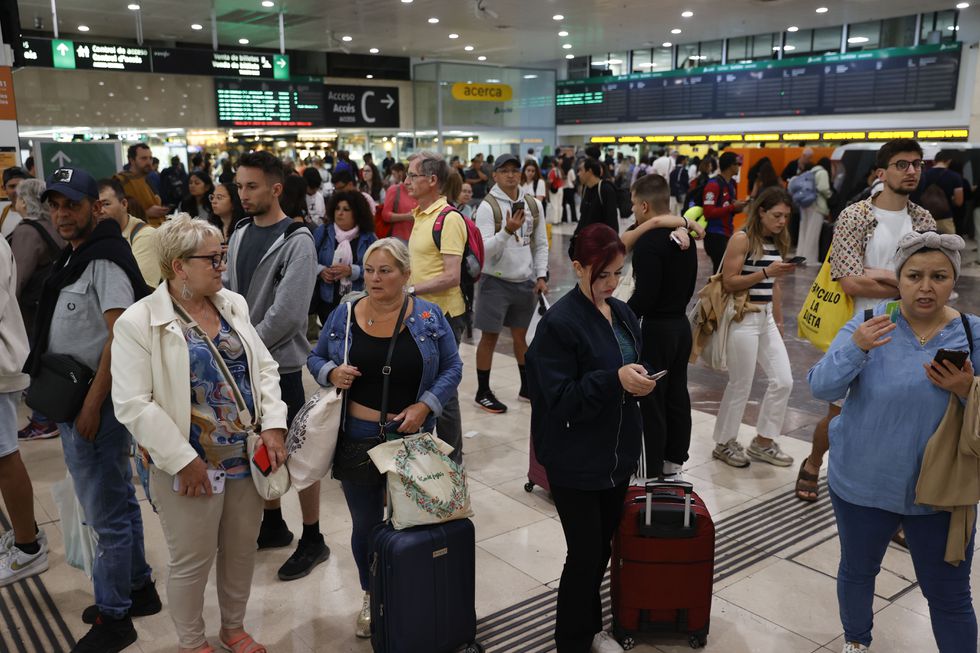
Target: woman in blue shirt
(878, 441)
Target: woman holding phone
(897, 395)
(753, 263)
(425, 371)
(170, 353)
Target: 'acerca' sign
(482, 92)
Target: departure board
(254, 103)
(923, 78)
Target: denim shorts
(8, 422)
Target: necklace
(383, 316)
(929, 334)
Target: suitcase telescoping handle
(688, 491)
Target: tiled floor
(784, 602)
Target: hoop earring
(185, 292)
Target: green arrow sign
(63, 53)
(97, 159)
(280, 66)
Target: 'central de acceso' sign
(482, 92)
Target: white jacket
(506, 256)
(13, 335)
(151, 375)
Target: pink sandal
(243, 644)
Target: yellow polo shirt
(426, 259)
(144, 245)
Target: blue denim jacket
(442, 368)
(325, 238)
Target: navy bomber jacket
(586, 428)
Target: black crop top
(367, 354)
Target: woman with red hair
(584, 362)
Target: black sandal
(807, 485)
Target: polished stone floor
(783, 601)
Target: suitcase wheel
(696, 641)
(627, 643)
(475, 647)
(529, 487)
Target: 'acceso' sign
(482, 92)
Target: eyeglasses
(217, 260)
(903, 165)
(413, 176)
(212, 197)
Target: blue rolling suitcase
(423, 589)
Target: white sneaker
(16, 565)
(850, 647)
(7, 540)
(603, 642)
(363, 629)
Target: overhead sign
(256, 103)
(99, 159)
(183, 61)
(482, 92)
(71, 55)
(361, 106)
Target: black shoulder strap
(136, 230)
(969, 332)
(386, 370)
(48, 239)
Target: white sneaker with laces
(7, 540)
(851, 647)
(603, 642)
(16, 565)
(363, 629)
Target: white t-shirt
(882, 247)
(662, 167)
(535, 190)
(316, 208)
(11, 221)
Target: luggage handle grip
(688, 491)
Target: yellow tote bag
(827, 308)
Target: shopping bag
(269, 487)
(425, 486)
(80, 539)
(826, 309)
(539, 311)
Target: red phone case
(261, 460)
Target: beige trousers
(197, 529)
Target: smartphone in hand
(656, 376)
(517, 206)
(798, 260)
(956, 357)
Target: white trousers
(755, 340)
(554, 206)
(811, 221)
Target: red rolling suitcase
(663, 563)
(535, 473)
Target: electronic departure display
(923, 78)
(255, 103)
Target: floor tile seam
(780, 626)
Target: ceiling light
(963, 5)
(493, 81)
(84, 28)
(346, 39)
(369, 76)
(645, 65)
(557, 17)
(268, 3)
(953, 28)
(687, 14)
(196, 26)
(454, 35)
(374, 51)
(569, 56)
(667, 44)
(789, 48)
(858, 39)
(793, 28)
(615, 62)
(481, 58)
(530, 76)
(433, 20)
(243, 41)
(676, 30)
(822, 10)
(567, 46)
(133, 7)
(408, 2)
(468, 48)
(563, 33)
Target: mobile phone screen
(517, 206)
(957, 358)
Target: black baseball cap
(503, 160)
(14, 172)
(73, 183)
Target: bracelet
(764, 273)
(687, 223)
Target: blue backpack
(803, 188)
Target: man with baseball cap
(90, 286)
(515, 270)
(9, 218)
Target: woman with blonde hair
(183, 360)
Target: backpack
(556, 181)
(695, 193)
(136, 230)
(498, 215)
(383, 229)
(30, 296)
(803, 188)
(934, 200)
(472, 260)
(677, 186)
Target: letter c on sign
(364, 112)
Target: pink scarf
(344, 255)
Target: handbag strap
(386, 370)
(219, 360)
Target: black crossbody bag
(60, 387)
(351, 461)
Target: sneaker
(16, 565)
(274, 536)
(852, 647)
(363, 629)
(307, 556)
(731, 453)
(145, 600)
(107, 635)
(603, 642)
(36, 431)
(524, 396)
(771, 454)
(488, 402)
(7, 540)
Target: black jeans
(291, 388)
(714, 247)
(589, 518)
(449, 425)
(568, 199)
(667, 410)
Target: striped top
(762, 291)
